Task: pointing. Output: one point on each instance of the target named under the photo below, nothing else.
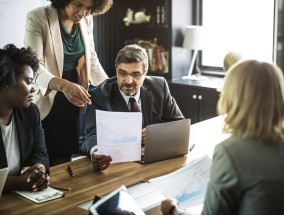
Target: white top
(10, 139)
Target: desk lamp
(193, 39)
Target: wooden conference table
(88, 181)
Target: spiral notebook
(41, 196)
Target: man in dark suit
(151, 94)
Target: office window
(245, 26)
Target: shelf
(144, 26)
(174, 16)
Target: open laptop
(166, 140)
(3, 176)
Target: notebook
(3, 176)
(166, 140)
(41, 196)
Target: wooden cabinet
(168, 20)
(196, 101)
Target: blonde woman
(247, 174)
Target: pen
(192, 147)
(70, 171)
(61, 188)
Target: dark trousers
(61, 126)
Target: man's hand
(101, 161)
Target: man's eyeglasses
(134, 75)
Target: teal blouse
(73, 46)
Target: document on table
(187, 184)
(119, 135)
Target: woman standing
(61, 34)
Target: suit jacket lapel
(85, 37)
(55, 32)
(118, 103)
(3, 157)
(83, 67)
(146, 98)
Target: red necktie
(133, 105)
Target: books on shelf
(157, 54)
(41, 196)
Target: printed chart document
(119, 135)
(42, 196)
(187, 184)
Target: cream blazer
(42, 34)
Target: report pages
(187, 184)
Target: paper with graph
(119, 135)
(188, 184)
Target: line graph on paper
(188, 184)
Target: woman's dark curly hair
(100, 6)
(12, 62)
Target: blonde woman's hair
(252, 100)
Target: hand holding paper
(118, 136)
(101, 161)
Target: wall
(12, 20)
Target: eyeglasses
(134, 75)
